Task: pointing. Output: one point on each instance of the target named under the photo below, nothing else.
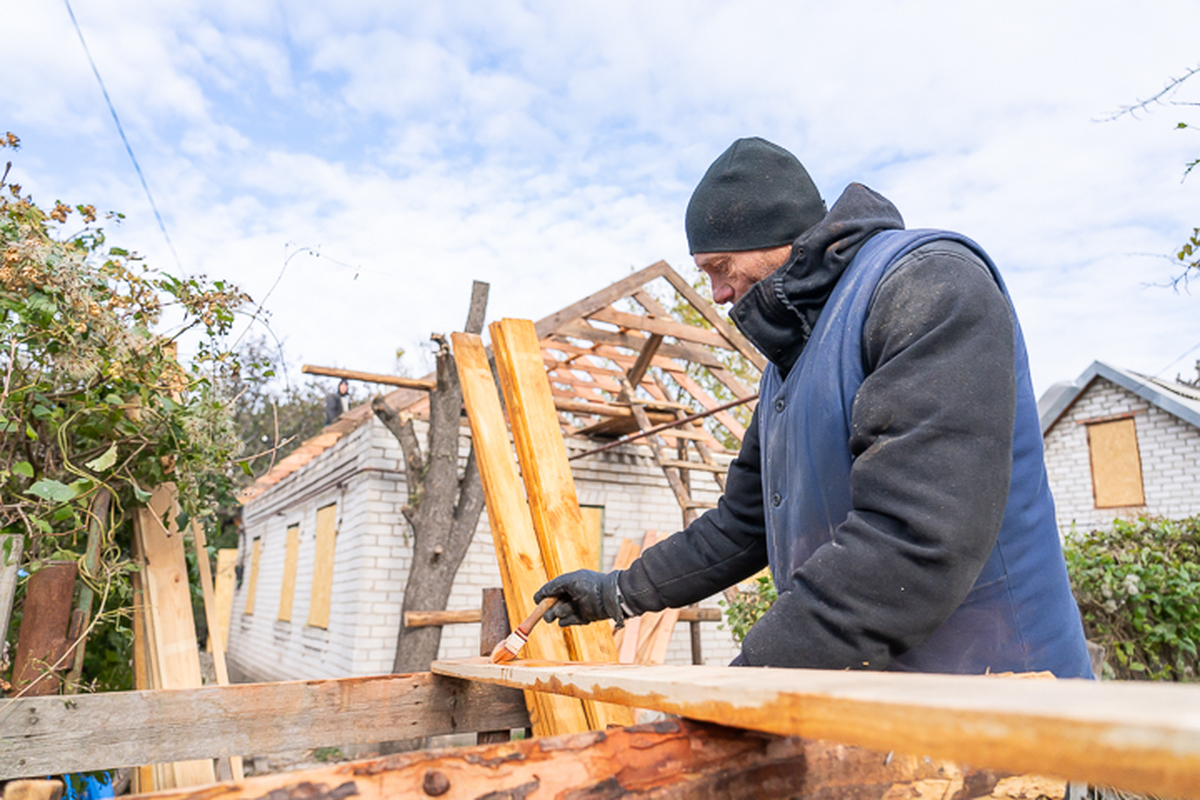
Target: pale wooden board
(225, 581)
(1139, 736)
(291, 558)
(550, 487)
(43, 736)
(169, 616)
(217, 646)
(522, 570)
(322, 580)
(654, 633)
(626, 637)
(1116, 464)
(252, 581)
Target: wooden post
(493, 629)
(11, 547)
(522, 569)
(42, 642)
(97, 525)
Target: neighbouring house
(1120, 445)
(325, 549)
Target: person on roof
(893, 476)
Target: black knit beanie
(754, 196)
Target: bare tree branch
(1154, 99)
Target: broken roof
(622, 332)
(1178, 399)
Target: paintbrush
(508, 649)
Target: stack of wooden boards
(166, 655)
(644, 639)
(538, 530)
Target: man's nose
(722, 292)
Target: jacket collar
(778, 313)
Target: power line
(121, 130)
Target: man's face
(732, 274)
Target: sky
(353, 166)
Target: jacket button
(776, 499)
(780, 404)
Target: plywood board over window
(255, 557)
(1116, 464)
(322, 583)
(290, 559)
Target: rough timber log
(1144, 737)
(668, 760)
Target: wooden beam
(557, 520)
(422, 619)
(1138, 736)
(663, 325)
(631, 341)
(598, 300)
(638, 370)
(466, 616)
(421, 384)
(55, 735)
(512, 528)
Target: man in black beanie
(892, 477)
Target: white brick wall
(1169, 450)
(362, 473)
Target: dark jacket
(937, 350)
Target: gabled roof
(1178, 399)
(621, 332)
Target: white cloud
(548, 148)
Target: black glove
(584, 596)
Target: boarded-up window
(291, 557)
(1116, 464)
(593, 526)
(255, 557)
(322, 583)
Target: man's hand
(584, 596)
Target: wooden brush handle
(527, 626)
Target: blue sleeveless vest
(1020, 615)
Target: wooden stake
(522, 569)
(214, 627)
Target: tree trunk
(443, 508)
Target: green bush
(744, 608)
(1138, 588)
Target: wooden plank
(709, 403)
(169, 615)
(626, 637)
(1138, 736)
(557, 519)
(422, 619)
(291, 559)
(322, 582)
(42, 736)
(598, 300)
(226, 579)
(522, 570)
(697, 465)
(422, 384)
(654, 634)
(662, 325)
